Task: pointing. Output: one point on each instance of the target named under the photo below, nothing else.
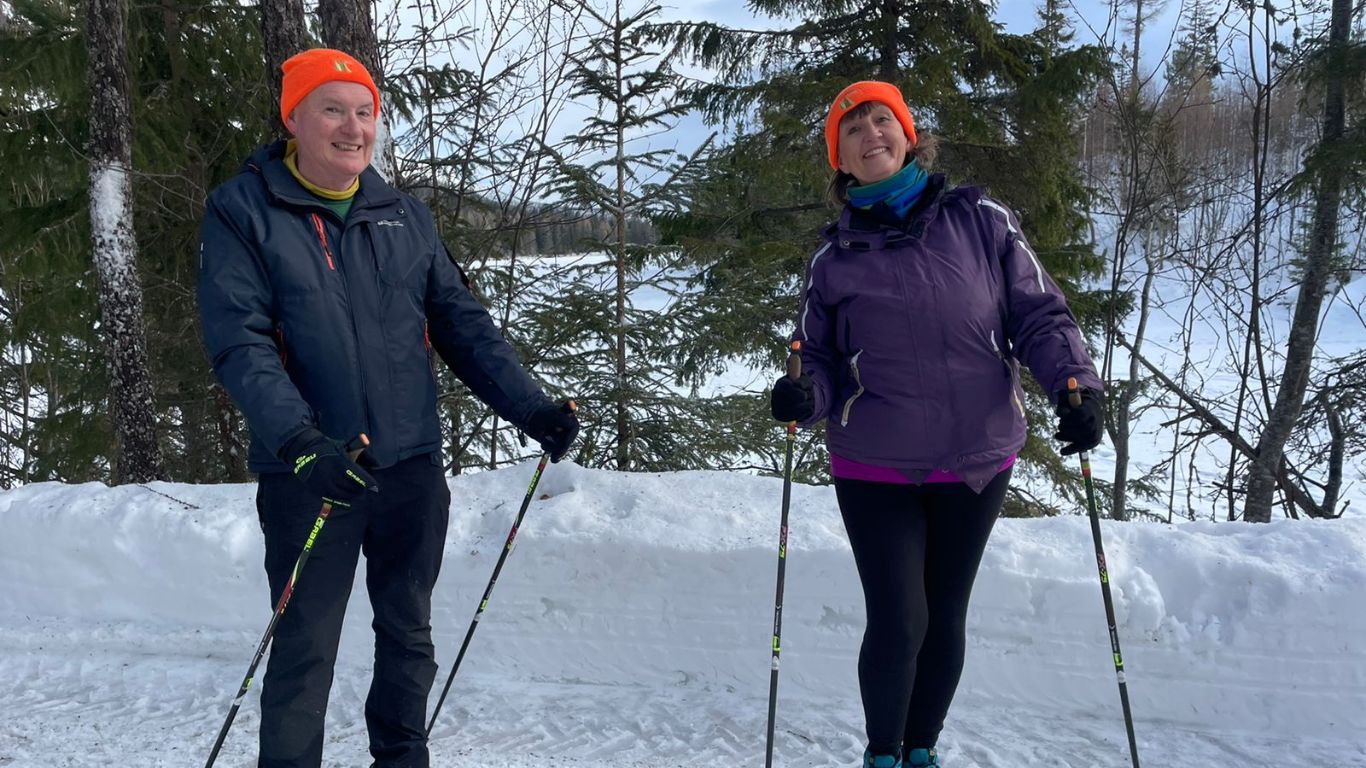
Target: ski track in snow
(631, 627)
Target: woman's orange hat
(310, 69)
(856, 94)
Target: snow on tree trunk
(1319, 260)
(115, 250)
(347, 26)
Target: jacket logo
(389, 223)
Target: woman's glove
(1083, 426)
(793, 399)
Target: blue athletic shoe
(920, 758)
(881, 761)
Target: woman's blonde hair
(925, 151)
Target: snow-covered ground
(631, 627)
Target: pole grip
(794, 361)
(357, 446)
(1073, 394)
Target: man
(323, 292)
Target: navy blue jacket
(314, 321)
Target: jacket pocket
(1011, 372)
(858, 388)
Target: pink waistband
(848, 469)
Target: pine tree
(283, 34)
(111, 215)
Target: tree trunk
(1318, 267)
(283, 34)
(349, 26)
(887, 48)
(232, 452)
(624, 435)
(115, 249)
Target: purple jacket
(911, 334)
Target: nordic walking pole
(488, 591)
(794, 370)
(1074, 399)
(363, 441)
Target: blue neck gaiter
(899, 191)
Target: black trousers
(402, 531)
(917, 548)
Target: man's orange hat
(310, 69)
(856, 94)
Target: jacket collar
(860, 230)
(269, 161)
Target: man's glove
(794, 399)
(1082, 427)
(554, 426)
(324, 466)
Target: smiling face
(872, 144)
(335, 129)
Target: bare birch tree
(1319, 264)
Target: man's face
(335, 129)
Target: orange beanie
(310, 69)
(856, 94)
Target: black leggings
(917, 548)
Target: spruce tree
(624, 307)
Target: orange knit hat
(856, 94)
(310, 69)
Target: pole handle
(794, 360)
(1073, 393)
(357, 446)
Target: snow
(111, 227)
(631, 627)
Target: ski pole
(794, 370)
(488, 591)
(363, 441)
(1074, 399)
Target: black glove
(324, 466)
(1082, 427)
(554, 426)
(794, 399)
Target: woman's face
(872, 145)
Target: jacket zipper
(853, 368)
(280, 340)
(355, 331)
(999, 355)
(322, 239)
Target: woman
(914, 313)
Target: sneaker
(881, 761)
(920, 758)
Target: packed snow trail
(631, 627)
